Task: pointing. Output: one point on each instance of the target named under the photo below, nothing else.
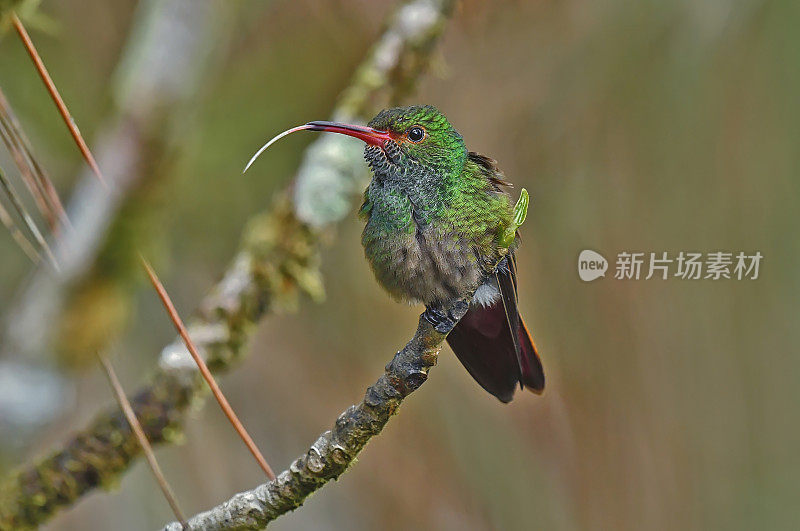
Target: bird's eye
(416, 134)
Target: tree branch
(277, 262)
(336, 449)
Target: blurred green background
(636, 126)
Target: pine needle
(26, 173)
(125, 405)
(29, 223)
(54, 94)
(39, 184)
(20, 238)
(201, 364)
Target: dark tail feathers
(494, 344)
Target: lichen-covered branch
(276, 264)
(336, 449)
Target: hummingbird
(440, 230)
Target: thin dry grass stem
(23, 242)
(21, 150)
(201, 364)
(51, 88)
(23, 213)
(125, 405)
(26, 173)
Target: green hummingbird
(440, 230)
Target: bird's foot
(439, 319)
(444, 320)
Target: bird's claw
(443, 321)
(438, 319)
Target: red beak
(369, 135)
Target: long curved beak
(367, 134)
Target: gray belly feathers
(427, 266)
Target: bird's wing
(491, 171)
(493, 343)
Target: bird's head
(417, 136)
(400, 139)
